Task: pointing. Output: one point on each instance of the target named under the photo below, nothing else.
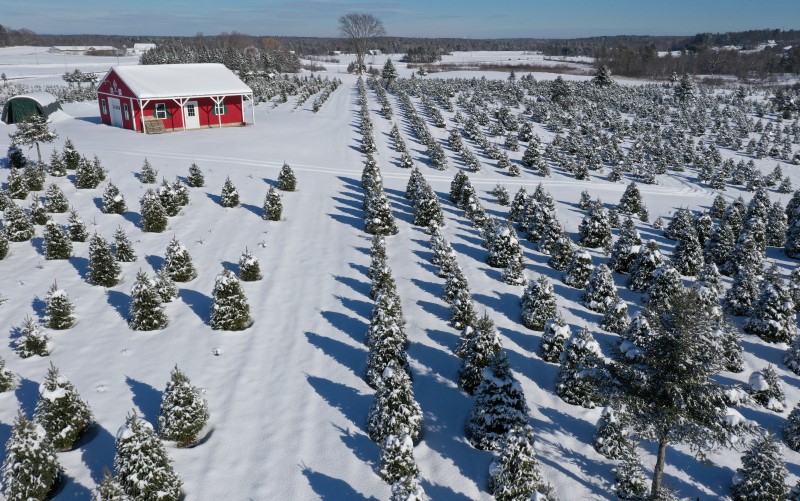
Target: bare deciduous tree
(360, 28)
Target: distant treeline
(270, 56)
(628, 55)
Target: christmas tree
(30, 468)
(184, 411)
(229, 310)
(60, 411)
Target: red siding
(234, 107)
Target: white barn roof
(43, 98)
(181, 80)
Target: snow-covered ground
(287, 400)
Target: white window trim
(126, 112)
(161, 111)
(219, 109)
(191, 110)
(104, 106)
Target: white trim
(156, 111)
(133, 115)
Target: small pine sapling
(31, 340)
(147, 175)
(18, 226)
(478, 348)
(165, 286)
(397, 458)
(61, 411)
(394, 411)
(538, 303)
(109, 489)
(76, 227)
(178, 262)
(55, 200)
(37, 212)
(766, 388)
(103, 267)
(580, 361)
(273, 206)
(56, 167)
(146, 312)
(229, 196)
(6, 377)
(123, 247)
(230, 310)
(154, 216)
(249, 267)
(791, 429)
(630, 481)
(58, 309)
(616, 318)
(554, 337)
(611, 438)
(141, 464)
(763, 472)
(195, 179)
(184, 411)
(113, 201)
(57, 244)
(514, 473)
(286, 179)
(579, 270)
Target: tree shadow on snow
(38, 304)
(27, 393)
(255, 209)
(81, 265)
(353, 327)
(97, 448)
(476, 253)
(332, 489)
(364, 270)
(155, 261)
(199, 303)
(38, 245)
(361, 308)
(134, 217)
(367, 451)
(358, 286)
(435, 491)
(357, 223)
(68, 488)
(120, 301)
(434, 289)
(353, 404)
(438, 310)
(146, 398)
(500, 302)
(349, 356)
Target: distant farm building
(168, 97)
(140, 48)
(80, 50)
(20, 107)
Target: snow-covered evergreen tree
(408, 489)
(6, 377)
(630, 480)
(514, 272)
(58, 309)
(397, 458)
(184, 411)
(504, 248)
(554, 337)
(230, 310)
(36, 212)
(16, 158)
(273, 205)
(103, 267)
(538, 303)
(763, 473)
(154, 216)
(766, 388)
(477, 350)
(16, 187)
(229, 196)
(169, 197)
(580, 361)
(167, 290)
(195, 179)
(462, 310)
(56, 242)
(286, 179)
(109, 489)
(776, 225)
(631, 201)
(394, 411)
(379, 219)
(30, 469)
(17, 226)
(146, 312)
(579, 270)
(123, 247)
(665, 286)
(86, 176)
(791, 429)
(178, 262)
(743, 291)
(517, 206)
(773, 317)
(595, 229)
(249, 267)
(76, 227)
(611, 438)
(55, 200)
(61, 411)
(147, 174)
(562, 253)
(31, 340)
(70, 155)
(644, 265)
(499, 406)
(688, 255)
(142, 467)
(616, 318)
(35, 176)
(600, 291)
(514, 473)
(113, 201)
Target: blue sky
(427, 18)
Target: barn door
(116, 112)
(192, 114)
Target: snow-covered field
(287, 400)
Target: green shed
(20, 107)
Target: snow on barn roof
(181, 80)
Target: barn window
(126, 111)
(161, 111)
(104, 106)
(219, 109)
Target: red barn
(167, 97)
